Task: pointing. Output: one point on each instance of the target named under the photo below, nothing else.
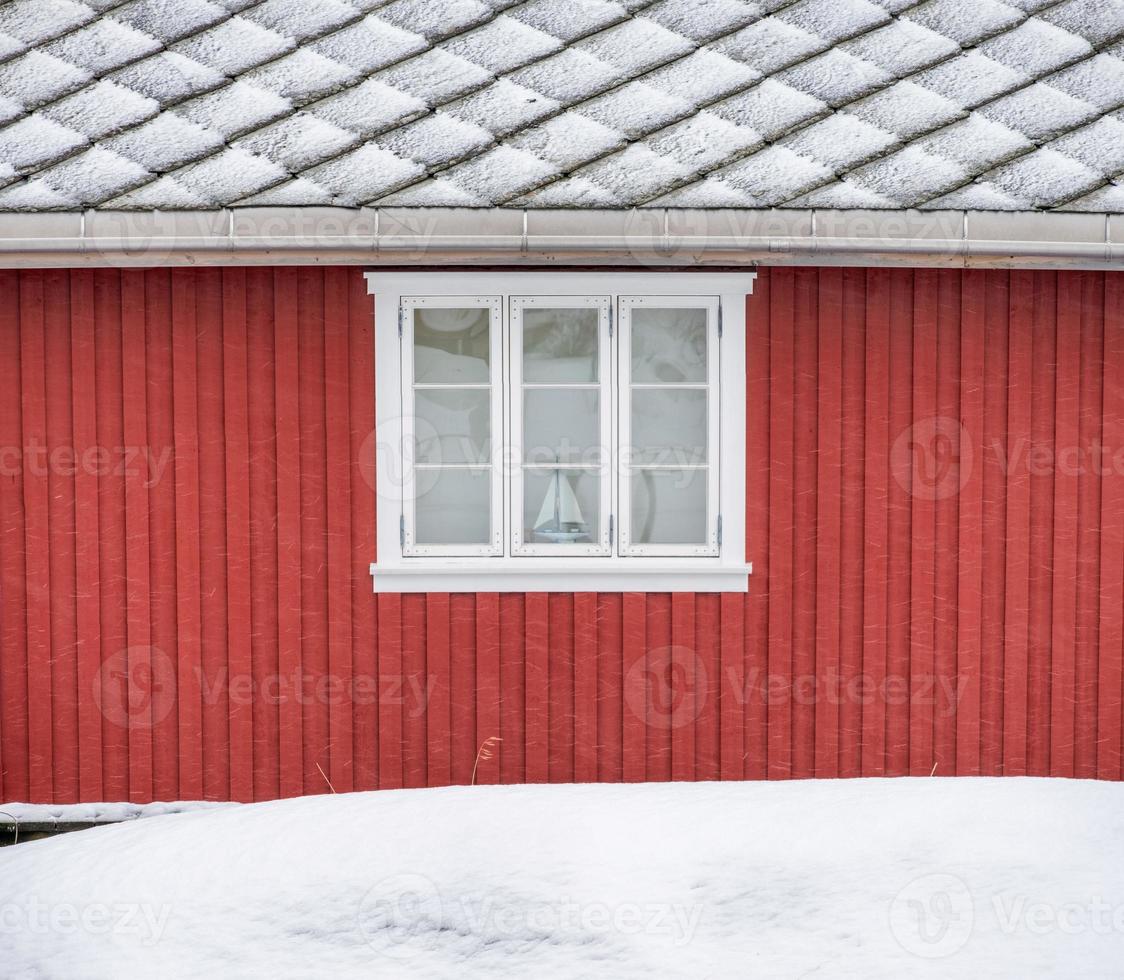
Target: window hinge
(402, 530)
(610, 320)
(401, 320)
(611, 530)
(719, 321)
(719, 530)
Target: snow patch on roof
(615, 103)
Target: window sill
(574, 575)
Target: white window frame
(408, 304)
(602, 545)
(712, 386)
(397, 569)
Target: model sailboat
(560, 519)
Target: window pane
(561, 506)
(669, 506)
(669, 426)
(668, 346)
(453, 425)
(561, 425)
(560, 345)
(451, 346)
(453, 506)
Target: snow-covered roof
(875, 104)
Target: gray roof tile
(609, 103)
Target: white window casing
(605, 555)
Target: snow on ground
(856, 878)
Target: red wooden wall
(935, 516)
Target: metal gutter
(655, 238)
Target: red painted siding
(935, 513)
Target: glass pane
(561, 425)
(669, 426)
(668, 345)
(561, 506)
(560, 345)
(453, 506)
(669, 506)
(451, 346)
(452, 425)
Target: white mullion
(494, 304)
(601, 546)
(713, 455)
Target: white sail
(569, 511)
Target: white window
(560, 431)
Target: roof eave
(656, 238)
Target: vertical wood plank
(88, 593)
(994, 545)
(341, 704)
(682, 686)
(14, 743)
(60, 515)
(410, 687)
(289, 585)
(852, 531)
(896, 689)
(513, 697)
(1093, 445)
(488, 683)
(971, 528)
(876, 480)
(708, 667)
(262, 494)
(733, 688)
(927, 440)
(782, 491)
(560, 654)
(139, 656)
(463, 680)
(215, 660)
(585, 687)
(189, 706)
(438, 714)
(1043, 464)
(745, 664)
(660, 688)
(806, 497)
(1017, 605)
(33, 375)
(538, 687)
(829, 532)
(634, 666)
(1111, 652)
(1061, 683)
(363, 521)
(313, 523)
(946, 532)
(610, 688)
(389, 693)
(239, 571)
(156, 463)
